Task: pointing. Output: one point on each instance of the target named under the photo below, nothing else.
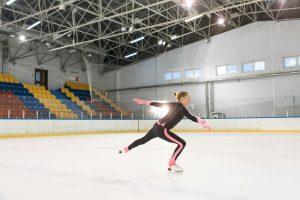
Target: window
(168, 76)
(232, 69)
(291, 62)
(248, 67)
(189, 73)
(221, 70)
(226, 69)
(172, 75)
(192, 73)
(198, 72)
(259, 66)
(254, 66)
(176, 75)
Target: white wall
(24, 69)
(64, 126)
(268, 41)
(8, 127)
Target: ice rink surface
(218, 166)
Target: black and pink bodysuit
(162, 128)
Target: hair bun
(181, 94)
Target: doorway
(41, 77)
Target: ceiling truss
(106, 28)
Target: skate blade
(173, 171)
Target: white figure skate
(175, 168)
(124, 150)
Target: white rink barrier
(65, 126)
(250, 124)
(115, 126)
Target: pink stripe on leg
(172, 161)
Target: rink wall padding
(236, 125)
(26, 128)
(30, 128)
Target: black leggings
(161, 132)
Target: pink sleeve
(140, 101)
(200, 121)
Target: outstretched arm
(194, 118)
(142, 102)
(151, 103)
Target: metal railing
(45, 114)
(280, 106)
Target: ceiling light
(221, 21)
(123, 28)
(33, 25)
(193, 18)
(130, 55)
(136, 40)
(10, 2)
(22, 38)
(189, 3)
(206, 40)
(173, 37)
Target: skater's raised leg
(149, 136)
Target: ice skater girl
(161, 129)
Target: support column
(212, 97)
(209, 98)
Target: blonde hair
(181, 94)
